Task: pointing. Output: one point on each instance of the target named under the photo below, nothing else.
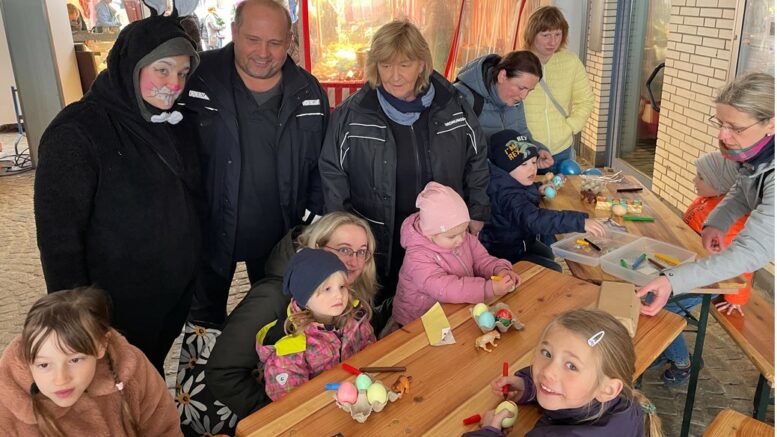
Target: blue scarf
(405, 112)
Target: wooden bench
(754, 334)
(732, 423)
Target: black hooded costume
(115, 195)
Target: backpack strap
(762, 184)
(478, 100)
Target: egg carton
(499, 323)
(373, 398)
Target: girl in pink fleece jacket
(443, 262)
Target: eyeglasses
(737, 130)
(348, 252)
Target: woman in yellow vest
(563, 101)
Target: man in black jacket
(260, 121)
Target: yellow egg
(479, 309)
(508, 405)
(377, 393)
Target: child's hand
(595, 228)
(503, 286)
(490, 418)
(510, 274)
(514, 387)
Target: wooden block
(620, 300)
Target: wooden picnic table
(450, 382)
(668, 227)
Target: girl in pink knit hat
(443, 262)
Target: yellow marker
(496, 278)
(668, 259)
(581, 242)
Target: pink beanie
(441, 209)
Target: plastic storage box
(611, 262)
(570, 250)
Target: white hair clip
(596, 338)
(119, 386)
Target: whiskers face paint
(162, 81)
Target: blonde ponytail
(652, 421)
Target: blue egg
(569, 167)
(592, 172)
(486, 320)
(557, 180)
(550, 193)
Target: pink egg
(347, 393)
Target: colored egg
(508, 405)
(504, 314)
(479, 309)
(377, 393)
(550, 193)
(363, 382)
(486, 320)
(346, 393)
(557, 180)
(619, 210)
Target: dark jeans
(209, 304)
(540, 254)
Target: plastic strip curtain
(487, 26)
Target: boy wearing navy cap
(516, 217)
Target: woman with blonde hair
(230, 359)
(406, 127)
(564, 99)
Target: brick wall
(598, 64)
(697, 66)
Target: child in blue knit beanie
(326, 323)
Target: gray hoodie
(754, 247)
(496, 115)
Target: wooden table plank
(449, 382)
(748, 332)
(730, 423)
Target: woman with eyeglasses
(744, 114)
(231, 368)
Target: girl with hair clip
(69, 373)
(581, 378)
(325, 323)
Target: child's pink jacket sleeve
(435, 282)
(282, 373)
(485, 265)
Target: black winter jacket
(517, 219)
(303, 117)
(115, 201)
(230, 373)
(358, 161)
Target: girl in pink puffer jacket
(443, 262)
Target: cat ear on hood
(157, 7)
(185, 7)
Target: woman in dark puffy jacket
(406, 127)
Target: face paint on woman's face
(162, 81)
